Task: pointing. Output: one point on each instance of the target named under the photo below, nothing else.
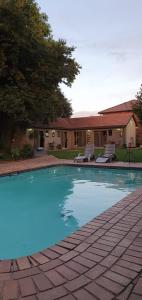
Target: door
(41, 139)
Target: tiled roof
(123, 107)
(106, 121)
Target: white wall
(131, 133)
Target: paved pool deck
(102, 260)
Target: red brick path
(102, 260)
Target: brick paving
(102, 260)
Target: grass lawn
(121, 154)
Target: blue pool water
(39, 208)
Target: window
(110, 132)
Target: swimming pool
(41, 207)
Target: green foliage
(32, 66)
(121, 154)
(26, 151)
(137, 108)
(15, 153)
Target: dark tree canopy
(137, 108)
(32, 66)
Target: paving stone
(90, 230)
(135, 248)
(117, 277)
(67, 272)
(133, 259)
(135, 297)
(110, 285)
(107, 226)
(125, 243)
(83, 246)
(97, 251)
(116, 231)
(124, 295)
(109, 261)
(72, 240)
(118, 251)
(27, 287)
(25, 273)
(115, 234)
(76, 267)
(121, 228)
(23, 263)
(50, 254)
(108, 243)
(99, 291)
(66, 245)
(42, 282)
(91, 239)
(126, 272)
(10, 290)
(33, 262)
(134, 253)
(52, 294)
(138, 287)
(40, 258)
(5, 266)
(100, 232)
(138, 243)
(50, 265)
(111, 238)
(83, 233)
(102, 247)
(84, 295)
(55, 277)
(77, 283)
(128, 265)
(91, 256)
(66, 257)
(59, 249)
(84, 261)
(78, 237)
(5, 276)
(95, 272)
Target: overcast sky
(107, 35)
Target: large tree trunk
(7, 130)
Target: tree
(137, 107)
(32, 67)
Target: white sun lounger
(108, 155)
(88, 154)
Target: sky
(107, 35)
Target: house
(120, 108)
(116, 124)
(71, 133)
(124, 108)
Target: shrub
(15, 153)
(27, 151)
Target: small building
(126, 107)
(72, 133)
